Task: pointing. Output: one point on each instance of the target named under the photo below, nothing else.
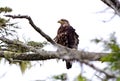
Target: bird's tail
(68, 64)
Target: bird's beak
(60, 22)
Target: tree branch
(114, 4)
(45, 55)
(17, 43)
(34, 26)
(62, 52)
(97, 69)
(39, 54)
(28, 56)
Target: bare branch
(97, 69)
(114, 4)
(34, 26)
(110, 18)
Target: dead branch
(114, 4)
(97, 69)
(34, 26)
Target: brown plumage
(67, 36)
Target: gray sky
(84, 15)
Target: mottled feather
(67, 36)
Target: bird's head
(64, 22)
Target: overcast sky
(84, 15)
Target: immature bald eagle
(67, 36)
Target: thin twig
(97, 69)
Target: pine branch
(17, 43)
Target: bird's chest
(62, 33)
(62, 38)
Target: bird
(67, 36)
